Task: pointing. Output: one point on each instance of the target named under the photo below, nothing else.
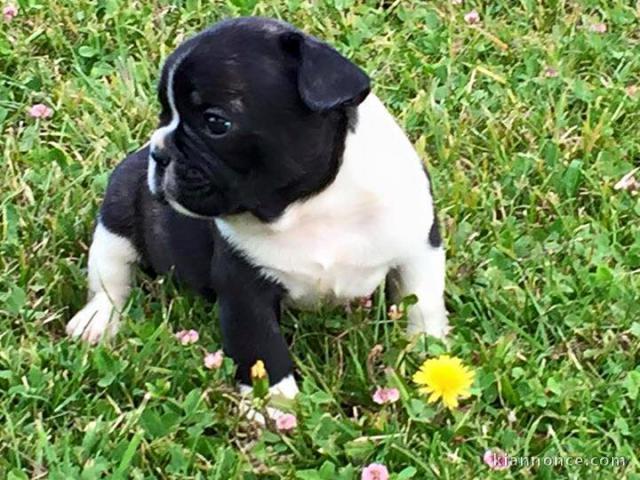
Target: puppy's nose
(161, 157)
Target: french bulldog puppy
(275, 178)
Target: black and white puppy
(275, 178)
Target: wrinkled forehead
(233, 60)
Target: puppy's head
(254, 116)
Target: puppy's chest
(333, 260)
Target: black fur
(249, 307)
(435, 239)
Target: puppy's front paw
(433, 323)
(284, 391)
(98, 319)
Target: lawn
(527, 117)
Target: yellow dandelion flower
(258, 371)
(444, 377)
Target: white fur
(110, 262)
(151, 176)
(180, 209)
(158, 137)
(424, 276)
(286, 388)
(375, 217)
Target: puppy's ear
(326, 79)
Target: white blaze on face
(151, 176)
(158, 138)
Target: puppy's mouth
(163, 187)
(178, 207)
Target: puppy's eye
(218, 125)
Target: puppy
(275, 177)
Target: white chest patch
(342, 242)
(331, 260)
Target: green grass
(543, 269)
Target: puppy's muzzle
(161, 157)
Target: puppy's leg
(249, 307)
(251, 332)
(110, 261)
(112, 251)
(423, 275)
